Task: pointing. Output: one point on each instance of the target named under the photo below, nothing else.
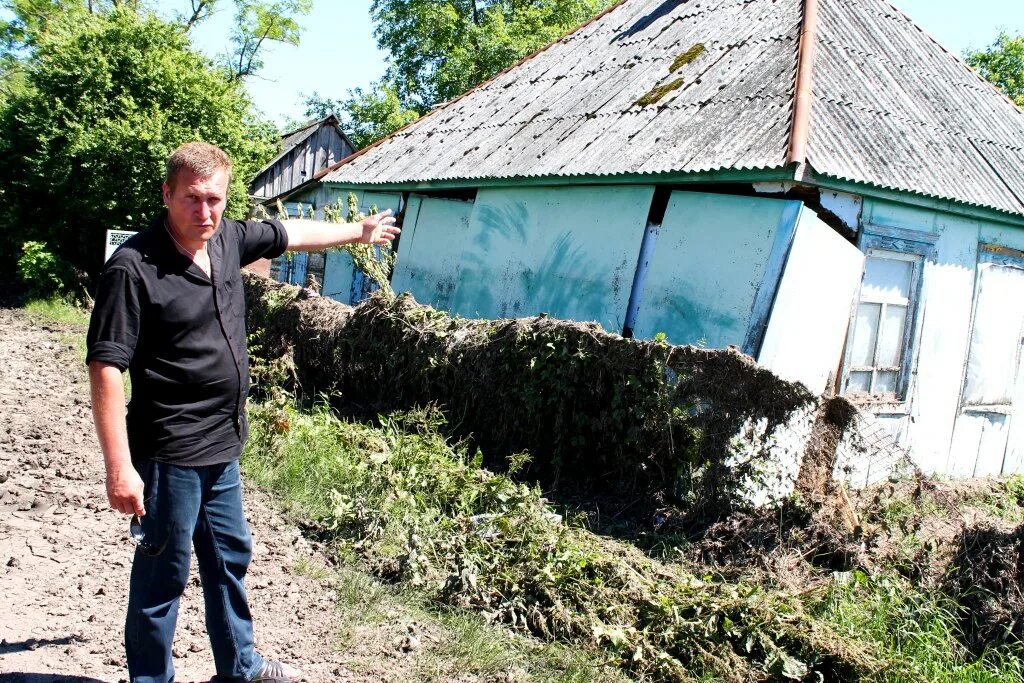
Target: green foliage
(107, 97)
(1002, 63)
(423, 513)
(40, 270)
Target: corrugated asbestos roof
(894, 109)
(891, 107)
(570, 109)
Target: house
(817, 182)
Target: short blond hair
(201, 158)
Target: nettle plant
(374, 261)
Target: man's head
(195, 191)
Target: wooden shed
(304, 151)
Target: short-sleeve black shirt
(181, 336)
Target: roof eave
(712, 176)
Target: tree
(1002, 63)
(366, 115)
(259, 21)
(106, 98)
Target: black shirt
(181, 336)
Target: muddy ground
(65, 556)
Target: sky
(338, 50)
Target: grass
(915, 627)
(374, 491)
(71, 320)
(57, 311)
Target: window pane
(865, 334)
(886, 279)
(890, 342)
(996, 337)
(860, 383)
(885, 382)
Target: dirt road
(65, 556)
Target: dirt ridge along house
(817, 182)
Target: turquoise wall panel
(430, 249)
(339, 270)
(569, 252)
(713, 252)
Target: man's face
(195, 204)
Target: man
(170, 310)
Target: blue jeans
(186, 506)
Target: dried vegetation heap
(591, 408)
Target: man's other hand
(379, 228)
(124, 491)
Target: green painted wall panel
(711, 257)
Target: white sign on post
(115, 238)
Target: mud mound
(638, 417)
(778, 538)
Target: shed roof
(659, 86)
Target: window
(879, 349)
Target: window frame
(905, 245)
(1000, 256)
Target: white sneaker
(276, 672)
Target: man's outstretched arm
(124, 485)
(311, 235)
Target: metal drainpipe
(640, 277)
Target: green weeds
(425, 515)
(914, 627)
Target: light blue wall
(712, 254)
(926, 423)
(430, 251)
(569, 252)
(339, 271)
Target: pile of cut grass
(425, 514)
